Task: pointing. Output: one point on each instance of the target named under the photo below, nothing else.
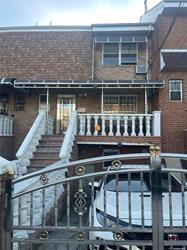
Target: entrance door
(65, 106)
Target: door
(65, 106)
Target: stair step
(50, 143)
(53, 137)
(46, 154)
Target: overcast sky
(70, 12)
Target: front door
(65, 106)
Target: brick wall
(173, 114)
(46, 55)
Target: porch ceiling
(88, 84)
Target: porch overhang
(7, 81)
(89, 84)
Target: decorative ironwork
(80, 170)
(44, 179)
(116, 164)
(118, 235)
(43, 235)
(80, 202)
(81, 235)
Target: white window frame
(181, 90)
(119, 55)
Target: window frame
(127, 96)
(180, 91)
(120, 54)
(19, 102)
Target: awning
(174, 59)
(77, 84)
(7, 81)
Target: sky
(70, 12)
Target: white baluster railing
(28, 146)
(69, 138)
(6, 125)
(120, 124)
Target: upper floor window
(175, 90)
(119, 54)
(20, 102)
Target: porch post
(156, 123)
(146, 101)
(47, 113)
(102, 101)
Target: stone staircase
(47, 152)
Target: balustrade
(6, 126)
(120, 124)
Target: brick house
(126, 83)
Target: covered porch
(104, 108)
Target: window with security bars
(120, 103)
(175, 90)
(119, 54)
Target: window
(111, 54)
(175, 90)
(120, 103)
(20, 102)
(119, 54)
(128, 53)
(3, 104)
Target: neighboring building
(124, 80)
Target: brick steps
(47, 152)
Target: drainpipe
(93, 56)
(147, 76)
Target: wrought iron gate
(131, 205)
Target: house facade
(126, 83)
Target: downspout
(147, 76)
(93, 56)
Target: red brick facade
(174, 114)
(63, 55)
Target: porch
(138, 125)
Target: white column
(82, 123)
(140, 126)
(156, 123)
(118, 126)
(103, 125)
(148, 127)
(125, 126)
(133, 126)
(96, 122)
(110, 126)
(88, 125)
(6, 123)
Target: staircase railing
(69, 138)
(25, 152)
